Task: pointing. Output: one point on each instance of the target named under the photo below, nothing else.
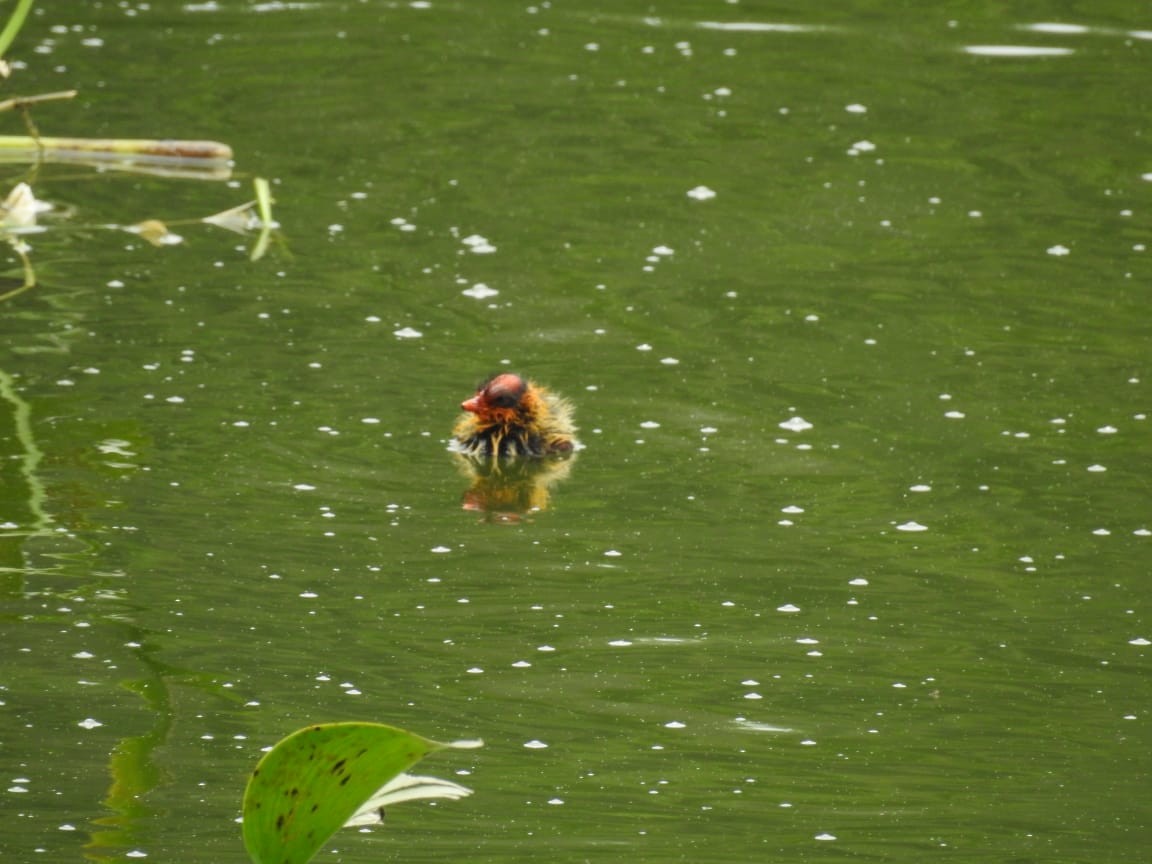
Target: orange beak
(472, 404)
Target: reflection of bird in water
(510, 416)
(514, 443)
(507, 489)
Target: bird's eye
(505, 391)
(503, 399)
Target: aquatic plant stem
(15, 22)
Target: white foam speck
(796, 424)
(1054, 27)
(1016, 51)
(480, 291)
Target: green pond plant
(330, 776)
(184, 159)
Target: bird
(510, 416)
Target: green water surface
(852, 300)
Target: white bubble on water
(478, 244)
(1016, 51)
(1054, 27)
(796, 424)
(480, 291)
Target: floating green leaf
(314, 781)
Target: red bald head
(502, 391)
